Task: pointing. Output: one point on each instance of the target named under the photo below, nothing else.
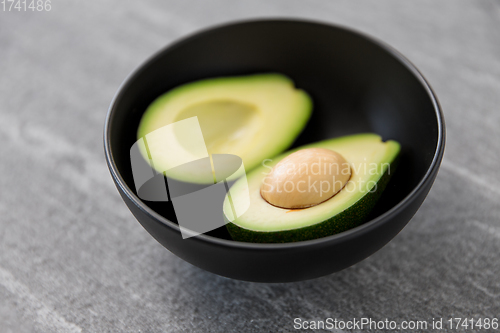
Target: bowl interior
(357, 85)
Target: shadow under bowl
(357, 84)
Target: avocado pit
(305, 178)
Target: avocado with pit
(370, 165)
(254, 117)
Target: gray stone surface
(72, 258)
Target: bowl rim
(340, 237)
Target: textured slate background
(72, 258)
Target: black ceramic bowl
(358, 84)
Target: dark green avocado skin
(352, 217)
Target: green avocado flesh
(372, 164)
(253, 117)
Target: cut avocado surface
(254, 117)
(372, 164)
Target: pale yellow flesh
(252, 117)
(369, 158)
(225, 124)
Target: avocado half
(372, 164)
(253, 117)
